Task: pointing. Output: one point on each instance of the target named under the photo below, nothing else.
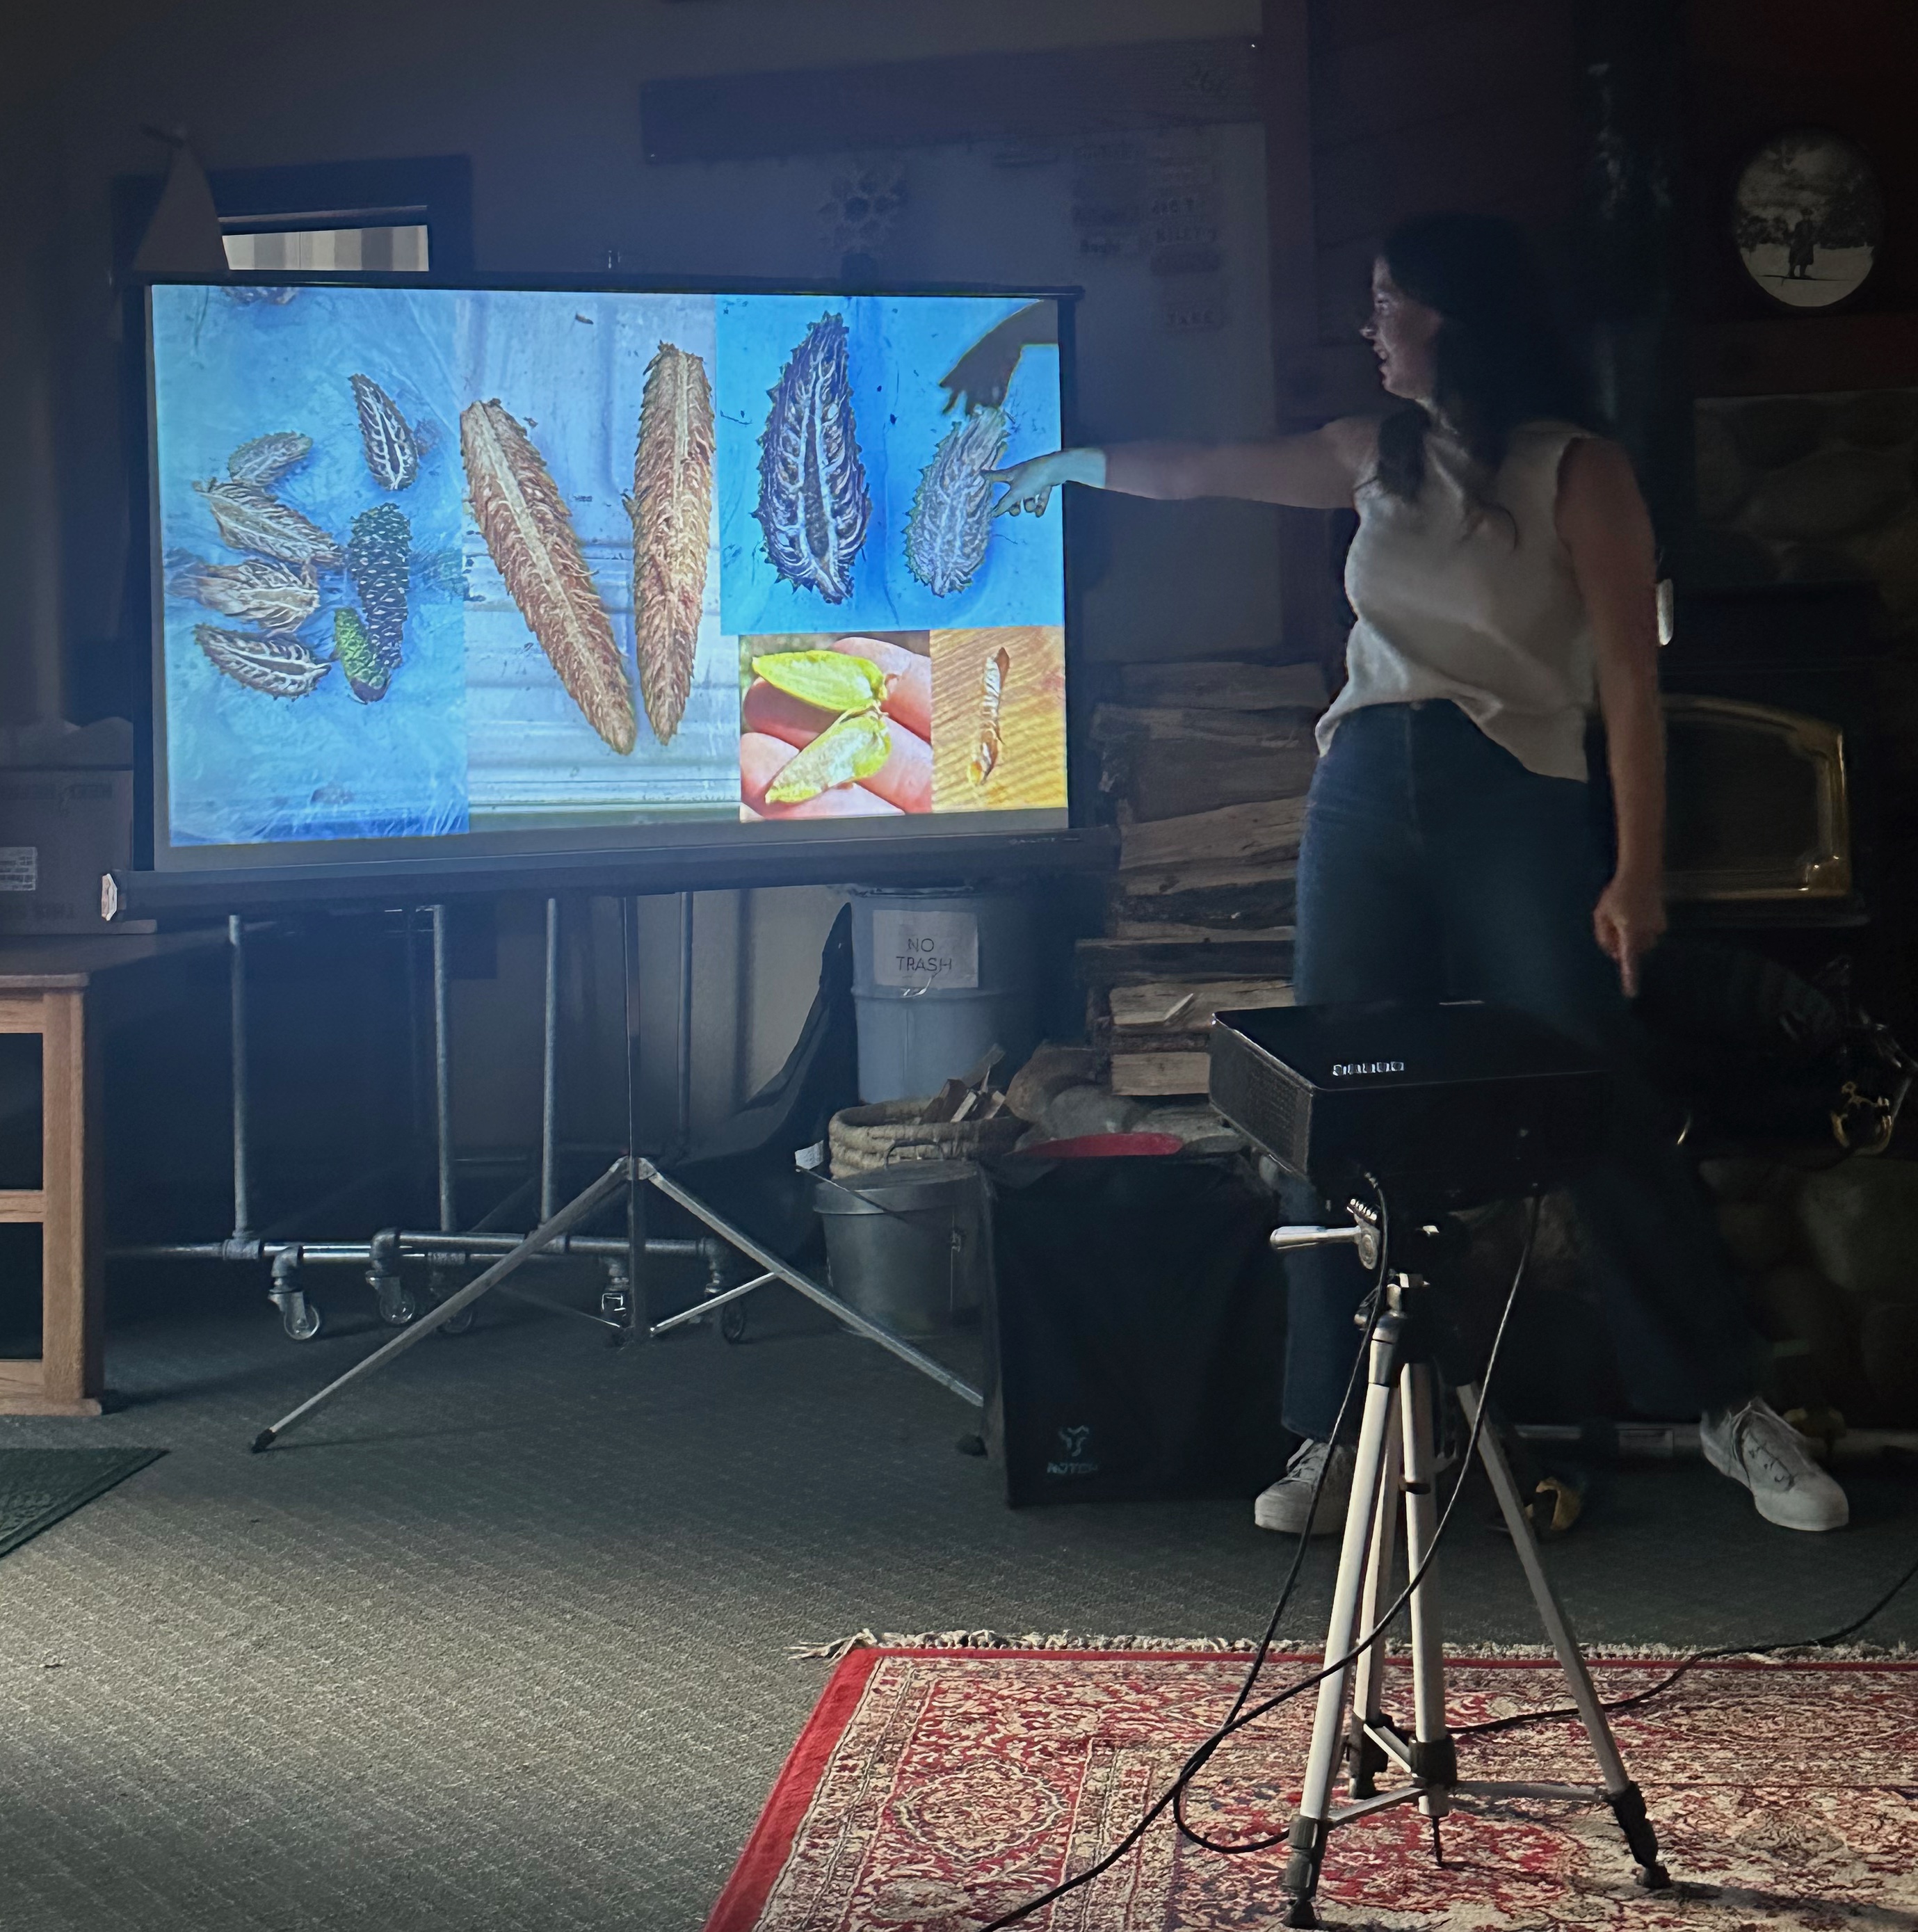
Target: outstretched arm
(1604, 524)
(1317, 471)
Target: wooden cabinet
(55, 989)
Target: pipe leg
(242, 1202)
(442, 1071)
(549, 1092)
(684, 1041)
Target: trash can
(905, 1246)
(938, 979)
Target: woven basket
(864, 1139)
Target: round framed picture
(1807, 219)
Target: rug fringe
(988, 1639)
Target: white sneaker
(1756, 1446)
(1286, 1504)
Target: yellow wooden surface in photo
(1031, 769)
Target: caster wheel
(462, 1322)
(732, 1322)
(301, 1318)
(399, 1307)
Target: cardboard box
(66, 817)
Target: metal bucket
(938, 978)
(905, 1246)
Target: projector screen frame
(636, 859)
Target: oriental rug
(933, 1790)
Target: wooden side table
(51, 987)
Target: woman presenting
(1503, 579)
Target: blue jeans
(1436, 866)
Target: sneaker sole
(1735, 1472)
(1328, 1521)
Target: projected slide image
(446, 561)
(833, 726)
(999, 718)
(599, 687)
(852, 462)
(837, 725)
(312, 587)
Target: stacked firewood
(1209, 765)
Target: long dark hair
(1500, 358)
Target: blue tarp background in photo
(572, 367)
(898, 348)
(243, 766)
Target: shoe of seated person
(1286, 1505)
(1756, 1446)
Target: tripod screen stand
(1395, 1469)
(627, 1180)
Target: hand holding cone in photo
(671, 510)
(779, 728)
(529, 535)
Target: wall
(1759, 67)
(1413, 105)
(545, 102)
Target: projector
(1455, 1104)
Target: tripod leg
(1627, 1802)
(1365, 1759)
(1434, 1759)
(1309, 1829)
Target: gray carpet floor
(501, 1641)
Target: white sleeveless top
(1451, 608)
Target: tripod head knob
(1362, 1234)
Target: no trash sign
(917, 949)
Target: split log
(1149, 1073)
(1052, 1069)
(1162, 779)
(1111, 1040)
(1232, 687)
(1265, 832)
(1172, 724)
(1169, 761)
(1120, 962)
(1164, 1003)
(1253, 905)
(1146, 929)
(1164, 882)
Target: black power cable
(1690, 1663)
(1240, 1716)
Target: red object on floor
(1104, 1147)
(933, 1790)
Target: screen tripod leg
(1310, 1827)
(1434, 1759)
(1365, 1758)
(1627, 1803)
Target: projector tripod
(1395, 1458)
